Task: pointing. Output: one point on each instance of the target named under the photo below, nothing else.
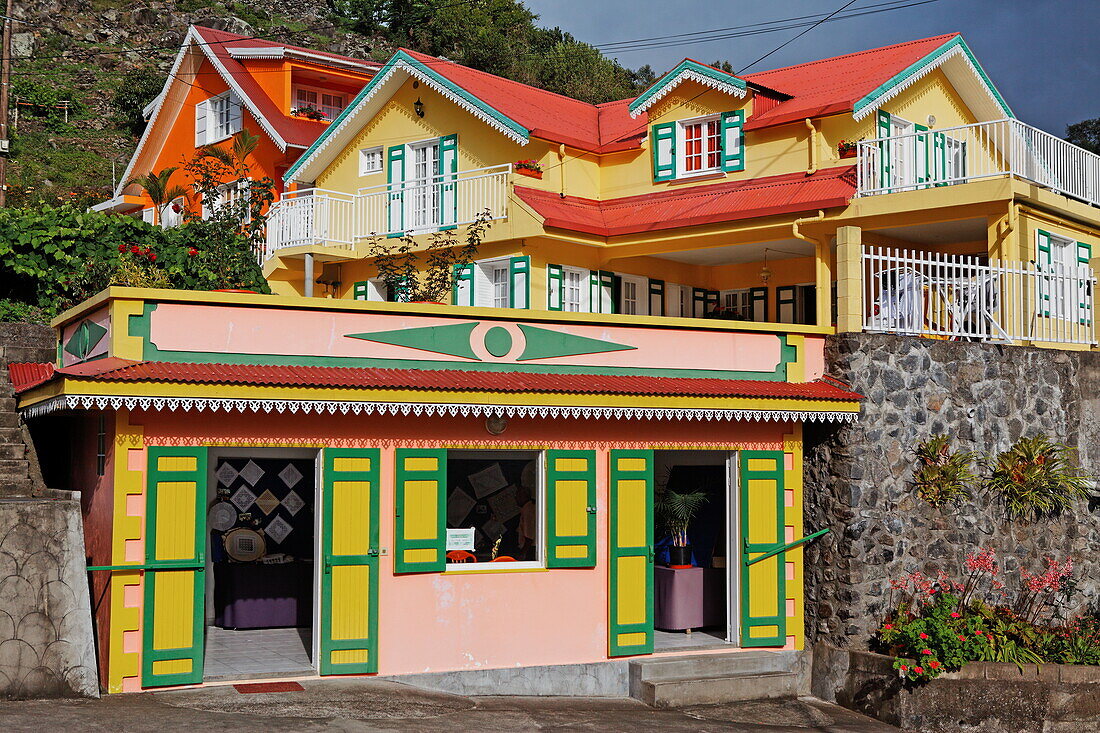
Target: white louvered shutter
(202, 112)
(234, 113)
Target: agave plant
(1036, 477)
(943, 476)
(677, 510)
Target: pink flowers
(956, 614)
(925, 651)
(934, 664)
(985, 561)
(887, 627)
(918, 670)
(923, 635)
(962, 638)
(903, 668)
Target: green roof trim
(905, 75)
(400, 57)
(660, 87)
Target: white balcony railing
(963, 298)
(953, 155)
(320, 217)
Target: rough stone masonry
(858, 477)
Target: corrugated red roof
(294, 130)
(768, 196)
(833, 85)
(117, 370)
(25, 375)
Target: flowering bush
(528, 165)
(310, 113)
(938, 624)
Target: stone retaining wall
(858, 476)
(26, 342)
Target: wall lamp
(418, 107)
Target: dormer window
(330, 105)
(698, 146)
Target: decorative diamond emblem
(242, 498)
(226, 474)
(290, 475)
(85, 337)
(267, 502)
(293, 503)
(278, 529)
(252, 473)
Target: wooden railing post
(849, 279)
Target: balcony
(342, 220)
(962, 298)
(954, 155)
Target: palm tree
(158, 188)
(244, 144)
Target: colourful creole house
(222, 84)
(365, 438)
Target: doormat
(268, 687)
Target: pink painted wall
(441, 622)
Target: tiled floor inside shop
(256, 653)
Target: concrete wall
(46, 645)
(858, 477)
(26, 342)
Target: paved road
(378, 705)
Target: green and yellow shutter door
(763, 582)
(630, 611)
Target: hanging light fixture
(418, 107)
(765, 273)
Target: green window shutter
(922, 158)
(448, 174)
(555, 288)
(1084, 253)
(616, 293)
(630, 556)
(759, 299)
(175, 530)
(785, 304)
(600, 284)
(656, 297)
(349, 582)
(764, 583)
(1084, 285)
(420, 532)
(519, 282)
(733, 140)
(698, 302)
(939, 159)
(395, 180)
(463, 292)
(662, 141)
(883, 128)
(1043, 262)
(570, 508)
(360, 290)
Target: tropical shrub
(1036, 477)
(943, 476)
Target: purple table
(257, 596)
(688, 598)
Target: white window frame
(319, 94)
(1064, 298)
(226, 192)
(681, 146)
(423, 190)
(903, 154)
(738, 301)
(367, 156)
(485, 284)
(641, 294)
(954, 153)
(582, 301)
(540, 510)
(219, 118)
(170, 218)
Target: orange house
(221, 84)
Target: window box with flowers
(309, 112)
(847, 148)
(528, 168)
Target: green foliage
(13, 311)
(1085, 134)
(943, 476)
(1036, 477)
(415, 273)
(45, 98)
(54, 257)
(676, 510)
(139, 86)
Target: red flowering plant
(528, 165)
(937, 624)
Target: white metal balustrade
(317, 216)
(966, 299)
(954, 155)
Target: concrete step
(14, 469)
(12, 451)
(9, 419)
(15, 487)
(7, 404)
(705, 679)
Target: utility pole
(5, 86)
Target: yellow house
(886, 190)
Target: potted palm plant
(676, 510)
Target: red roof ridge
(915, 41)
(269, 43)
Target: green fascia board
(398, 58)
(671, 77)
(956, 42)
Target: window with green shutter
(733, 140)
(698, 146)
(555, 288)
(395, 180)
(519, 280)
(663, 145)
(570, 508)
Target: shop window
(493, 508)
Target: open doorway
(261, 543)
(691, 570)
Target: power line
(795, 38)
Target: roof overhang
(962, 69)
(272, 53)
(688, 70)
(121, 204)
(373, 97)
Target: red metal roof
(768, 196)
(25, 375)
(118, 370)
(833, 85)
(294, 130)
